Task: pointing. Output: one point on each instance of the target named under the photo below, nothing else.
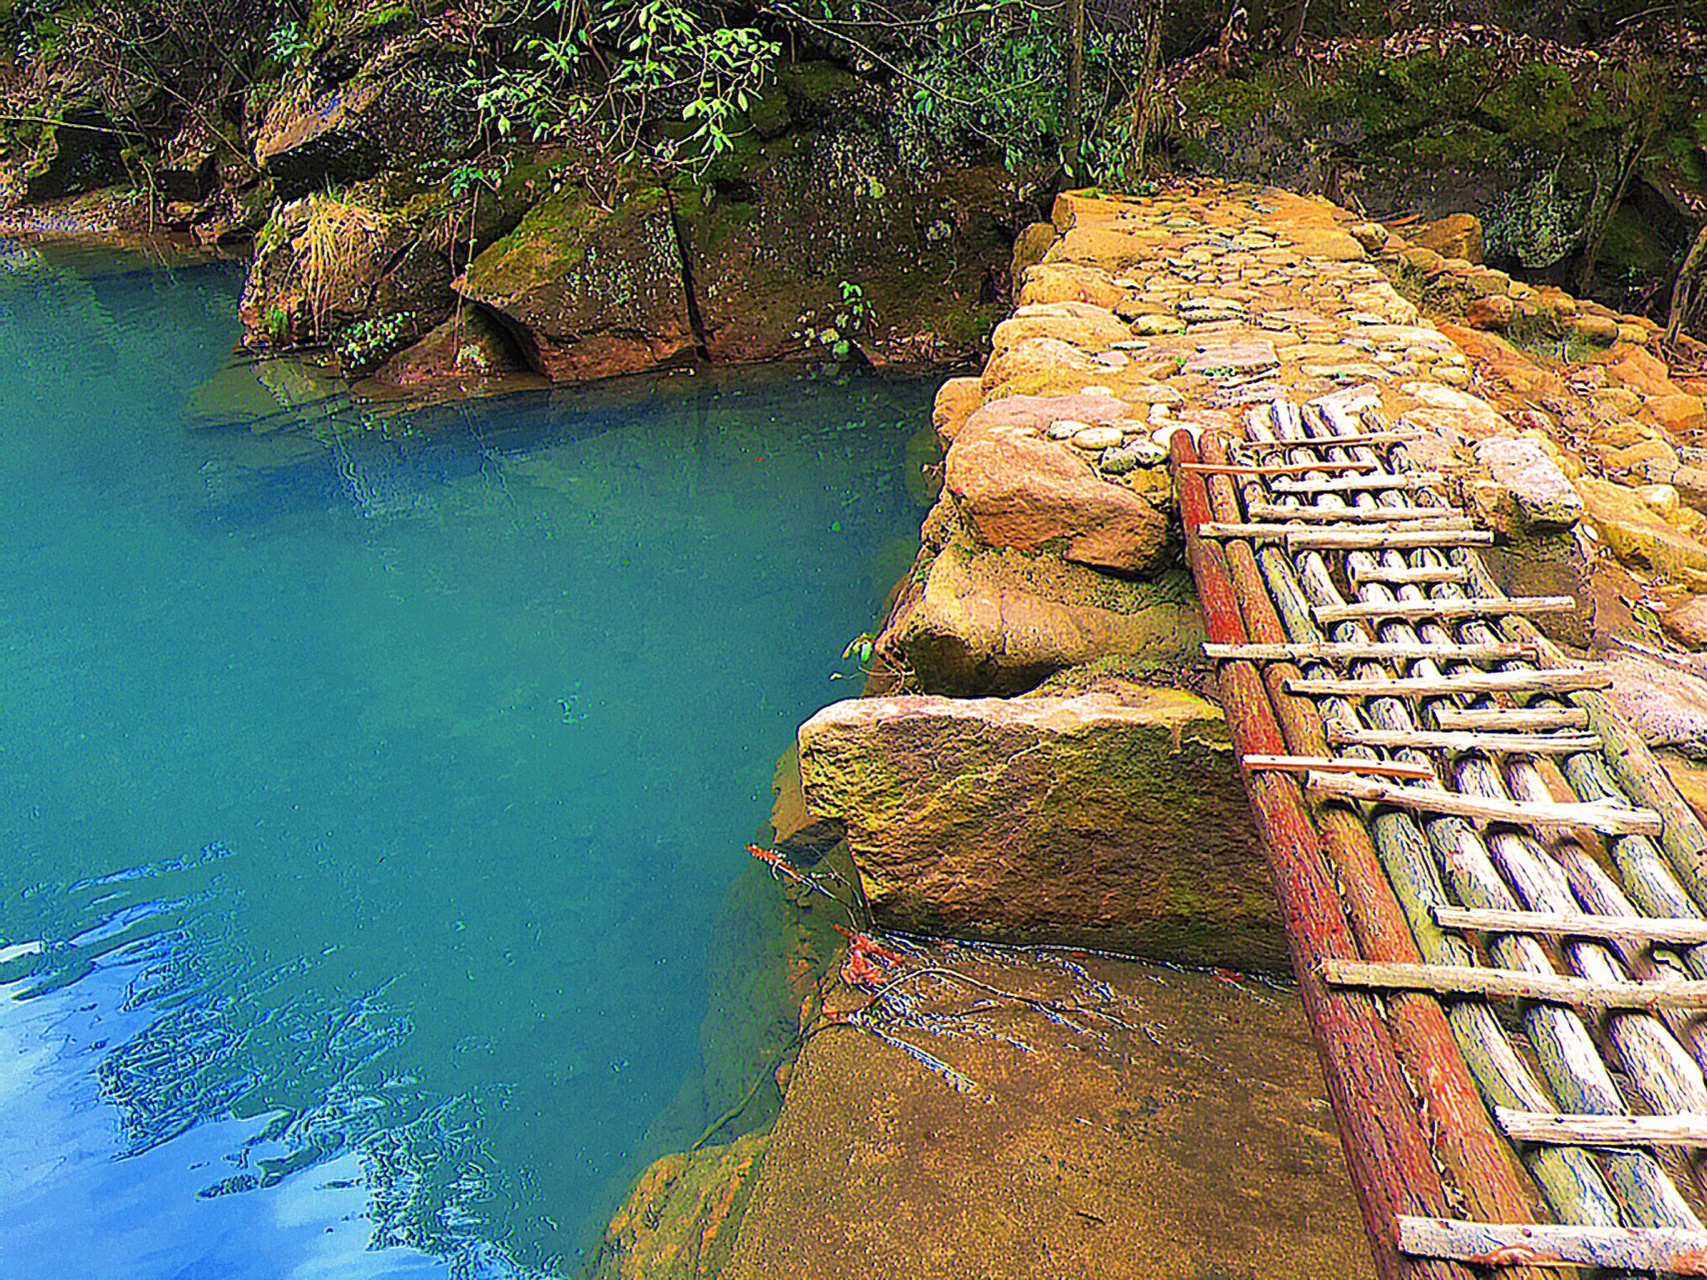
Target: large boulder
(1457, 235)
(1533, 511)
(1188, 1140)
(1091, 820)
(1666, 706)
(592, 289)
(1017, 488)
(1635, 533)
(993, 621)
(362, 273)
(366, 104)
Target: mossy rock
(594, 288)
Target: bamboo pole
(1282, 469)
(1359, 440)
(1389, 1160)
(1342, 653)
(1400, 575)
(1610, 818)
(1349, 538)
(1625, 928)
(1393, 539)
(1362, 483)
(1682, 1129)
(1447, 517)
(1514, 984)
(1658, 1249)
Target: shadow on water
(368, 784)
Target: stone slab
(1091, 820)
(1194, 1143)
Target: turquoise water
(368, 791)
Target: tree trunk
(1682, 289)
(1073, 133)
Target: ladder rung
(1547, 679)
(1529, 744)
(1611, 819)
(1493, 606)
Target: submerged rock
(1089, 820)
(679, 1221)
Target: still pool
(369, 786)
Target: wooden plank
(1512, 719)
(1392, 1170)
(1339, 764)
(1361, 574)
(1475, 606)
(1450, 517)
(1612, 819)
(1680, 1129)
(1665, 1249)
(1513, 984)
(1273, 469)
(1575, 924)
(1351, 652)
(1546, 680)
(1531, 744)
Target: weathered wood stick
(1339, 764)
(1475, 606)
(1450, 517)
(1349, 538)
(1392, 1170)
(1681, 1129)
(1598, 817)
(1663, 1249)
(1361, 574)
(1549, 680)
(1514, 719)
(1330, 652)
(1274, 469)
(1638, 929)
(1533, 744)
(1336, 442)
(1363, 483)
(1500, 984)
(1385, 539)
